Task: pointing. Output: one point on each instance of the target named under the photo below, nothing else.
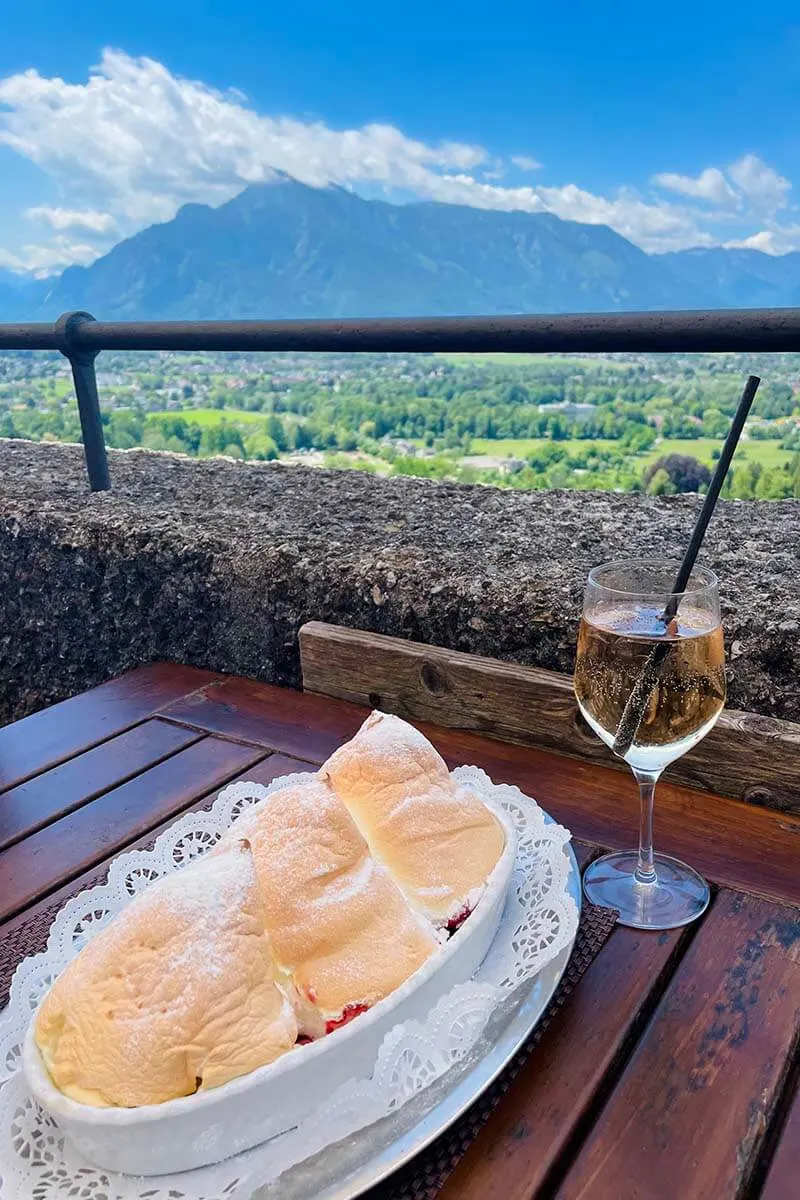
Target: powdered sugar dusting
(195, 916)
(209, 903)
(341, 928)
(177, 992)
(398, 742)
(438, 841)
(350, 885)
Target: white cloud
(748, 191)
(748, 185)
(45, 260)
(654, 227)
(143, 141)
(764, 189)
(134, 142)
(65, 219)
(710, 184)
(525, 163)
(763, 241)
(778, 240)
(146, 141)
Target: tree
(774, 400)
(715, 423)
(639, 437)
(744, 482)
(261, 446)
(660, 484)
(276, 431)
(517, 394)
(774, 484)
(685, 473)
(302, 438)
(559, 475)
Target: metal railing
(80, 338)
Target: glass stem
(645, 870)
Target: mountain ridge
(282, 249)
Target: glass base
(678, 895)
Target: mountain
(10, 303)
(19, 295)
(282, 249)
(740, 278)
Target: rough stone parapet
(218, 563)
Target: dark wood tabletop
(673, 1069)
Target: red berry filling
(348, 1013)
(458, 920)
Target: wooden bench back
(747, 756)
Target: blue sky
(675, 124)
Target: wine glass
(660, 654)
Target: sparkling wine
(613, 646)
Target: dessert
(438, 840)
(176, 995)
(341, 929)
(318, 903)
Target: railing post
(85, 381)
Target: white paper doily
(540, 919)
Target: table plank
(70, 846)
(690, 1113)
(26, 933)
(531, 1130)
(54, 734)
(42, 799)
(280, 719)
(735, 844)
(783, 1176)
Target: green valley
(623, 422)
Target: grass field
(61, 386)
(526, 360)
(768, 454)
(207, 417)
(523, 447)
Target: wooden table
(673, 1069)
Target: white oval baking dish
(207, 1127)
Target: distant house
(402, 446)
(493, 462)
(578, 412)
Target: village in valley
(622, 422)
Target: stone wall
(218, 563)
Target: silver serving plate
(345, 1170)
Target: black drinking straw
(643, 688)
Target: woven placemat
(423, 1177)
(28, 934)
